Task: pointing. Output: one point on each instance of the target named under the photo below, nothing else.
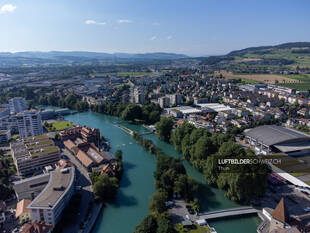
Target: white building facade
(50, 203)
(17, 104)
(29, 124)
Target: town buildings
(37, 227)
(29, 188)
(49, 204)
(5, 136)
(91, 135)
(84, 143)
(268, 139)
(164, 102)
(17, 104)
(29, 123)
(32, 154)
(22, 212)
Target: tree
(105, 187)
(148, 225)
(180, 132)
(195, 205)
(119, 155)
(158, 202)
(164, 224)
(163, 128)
(154, 116)
(70, 100)
(202, 149)
(132, 112)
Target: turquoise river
(137, 184)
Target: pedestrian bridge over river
(227, 213)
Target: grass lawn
(60, 125)
(198, 229)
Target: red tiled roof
(85, 160)
(21, 207)
(280, 213)
(36, 227)
(69, 144)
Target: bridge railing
(226, 210)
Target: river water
(137, 184)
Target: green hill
(288, 57)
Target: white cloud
(7, 8)
(169, 37)
(90, 21)
(153, 38)
(124, 21)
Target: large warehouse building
(268, 139)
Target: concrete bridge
(227, 212)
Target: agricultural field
(264, 78)
(302, 86)
(303, 83)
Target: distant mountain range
(80, 58)
(288, 54)
(56, 54)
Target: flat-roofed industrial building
(268, 139)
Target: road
(82, 179)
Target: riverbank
(137, 187)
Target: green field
(300, 77)
(60, 125)
(303, 86)
(302, 60)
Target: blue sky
(194, 27)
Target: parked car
(307, 209)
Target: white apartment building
(17, 104)
(139, 98)
(164, 102)
(5, 136)
(29, 123)
(9, 123)
(176, 99)
(50, 203)
(4, 112)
